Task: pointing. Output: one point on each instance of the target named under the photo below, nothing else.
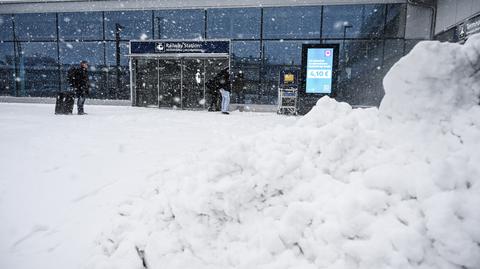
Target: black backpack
(71, 76)
(211, 84)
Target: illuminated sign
(288, 78)
(179, 47)
(319, 70)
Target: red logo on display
(328, 53)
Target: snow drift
(394, 187)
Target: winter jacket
(78, 80)
(223, 79)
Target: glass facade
(241, 23)
(353, 21)
(82, 26)
(292, 22)
(7, 69)
(36, 50)
(6, 27)
(128, 25)
(35, 27)
(179, 24)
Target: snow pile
(395, 187)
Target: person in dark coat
(78, 80)
(213, 91)
(224, 88)
(239, 87)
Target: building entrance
(174, 81)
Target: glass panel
(181, 24)
(36, 27)
(245, 60)
(393, 53)
(118, 78)
(7, 69)
(447, 36)
(284, 52)
(111, 55)
(292, 22)
(38, 68)
(245, 51)
(212, 68)
(170, 83)
(277, 56)
(353, 21)
(361, 73)
(146, 82)
(193, 94)
(131, 25)
(71, 54)
(6, 28)
(410, 44)
(241, 23)
(395, 23)
(80, 26)
(75, 52)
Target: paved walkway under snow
(61, 176)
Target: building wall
(37, 49)
(452, 12)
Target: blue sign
(179, 47)
(319, 73)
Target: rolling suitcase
(64, 103)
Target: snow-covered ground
(63, 177)
(394, 187)
(127, 188)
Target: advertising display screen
(319, 70)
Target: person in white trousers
(224, 85)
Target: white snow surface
(61, 177)
(394, 187)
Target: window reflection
(72, 53)
(7, 69)
(292, 22)
(360, 72)
(181, 24)
(6, 28)
(395, 20)
(35, 27)
(277, 56)
(80, 26)
(111, 53)
(38, 69)
(118, 78)
(238, 23)
(353, 21)
(129, 25)
(245, 63)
